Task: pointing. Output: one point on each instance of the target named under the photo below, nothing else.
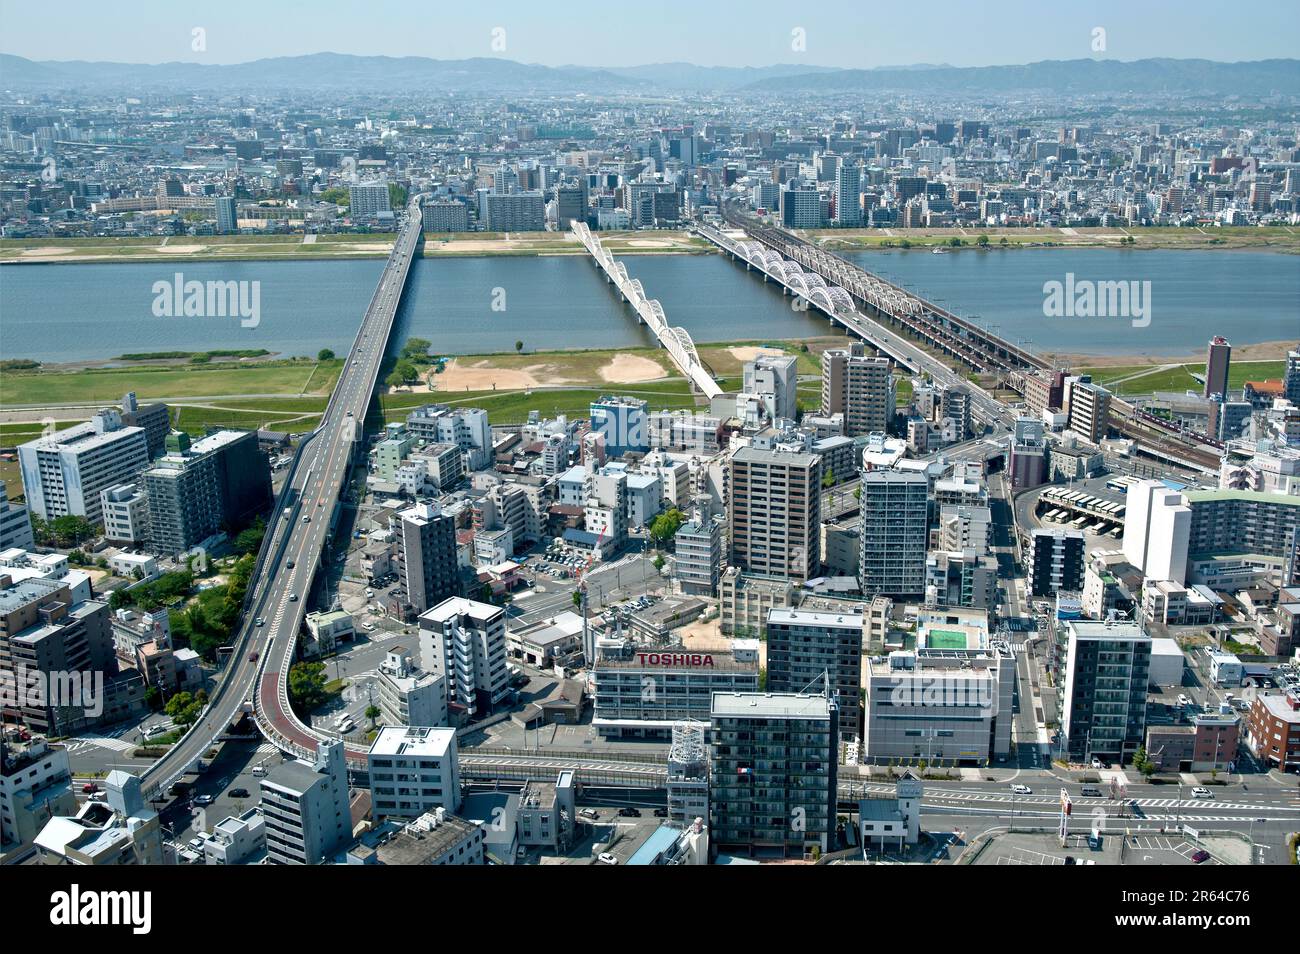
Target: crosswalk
(113, 744)
(1179, 808)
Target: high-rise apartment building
(197, 490)
(227, 215)
(859, 387)
(1089, 410)
(848, 194)
(1056, 561)
(46, 634)
(1105, 696)
(1218, 355)
(773, 776)
(775, 513)
(804, 648)
(64, 472)
(368, 199)
(465, 641)
(427, 558)
(894, 533)
(517, 212)
(801, 207)
(1157, 530)
(15, 524)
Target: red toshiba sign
(674, 659)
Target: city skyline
(435, 452)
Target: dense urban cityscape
(408, 461)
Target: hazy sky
(864, 33)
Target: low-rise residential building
(1273, 729)
(413, 770)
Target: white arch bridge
(676, 340)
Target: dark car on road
(630, 812)
(238, 793)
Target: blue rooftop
(660, 841)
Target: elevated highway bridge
(256, 679)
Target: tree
(185, 709)
(982, 241)
(394, 379)
(828, 478)
(519, 347)
(1142, 763)
(250, 538)
(577, 600)
(65, 531)
(324, 354)
(659, 561)
(665, 526)
(416, 349)
(307, 685)
(373, 713)
(407, 371)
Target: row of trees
(414, 355)
(185, 708)
(62, 532)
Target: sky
(843, 33)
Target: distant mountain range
(1064, 76)
(334, 71)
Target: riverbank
(290, 393)
(1262, 351)
(1281, 238)
(251, 248)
